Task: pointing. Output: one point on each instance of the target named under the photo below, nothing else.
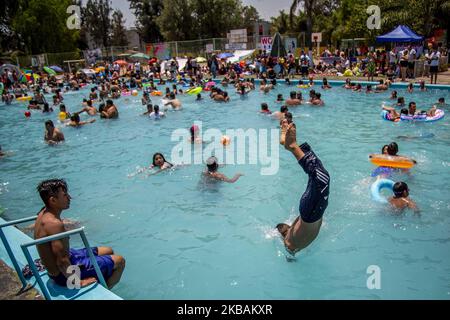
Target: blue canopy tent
(400, 34)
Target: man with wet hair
(52, 135)
(57, 256)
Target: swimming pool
(186, 240)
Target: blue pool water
(183, 239)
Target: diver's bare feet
(291, 137)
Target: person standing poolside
(433, 59)
(57, 256)
(52, 135)
(314, 200)
(404, 64)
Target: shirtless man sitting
(401, 201)
(315, 199)
(293, 100)
(57, 256)
(173, 102)
(110, 111)
(52, 135)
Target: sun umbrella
(225, 55)
(50, 71)
(200, 59)
(57, 69)
(121, 62)
(140, 56)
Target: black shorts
(403, 63)
(411, 65)
(314, 200)
(305, 69)
(434, 69)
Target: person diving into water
(314, 201)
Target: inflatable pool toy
(134, 93)
(303, 86)
(194, 91)
(376, 188)
(385, 116)
(210, 84)
(348, 73)
(423, 117)
(419, 117)
(27, 114)
(126, 93)
(156, 93)
(26, 98)
(63, 116)
(225, 140)
(146, 85)
(398, 162)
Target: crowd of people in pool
(58, 255)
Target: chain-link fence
(165, 50)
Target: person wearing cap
(314, 201)
(212, 165)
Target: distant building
(134, 40)
(262, 28)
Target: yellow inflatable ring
(156, 93)
(194, 90)
(26, 98)
(399, 162)
(303, 86)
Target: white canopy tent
(240, 55)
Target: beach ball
(27, 114)
(225, 140)
(134, 93)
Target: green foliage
(119, 37)
(40, 26)
(97, 22)
(147, 13)
(177, 21)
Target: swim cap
(194, 128)
(212, 160)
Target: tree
(176, 20)
(147, 12)
(250, 16)
(119, 37)
(308, 7)
(214, 18)
(8, 8)
(41, 26)
(97, 22)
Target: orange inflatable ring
(399, 162)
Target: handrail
(8, 247)
(58, 237)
